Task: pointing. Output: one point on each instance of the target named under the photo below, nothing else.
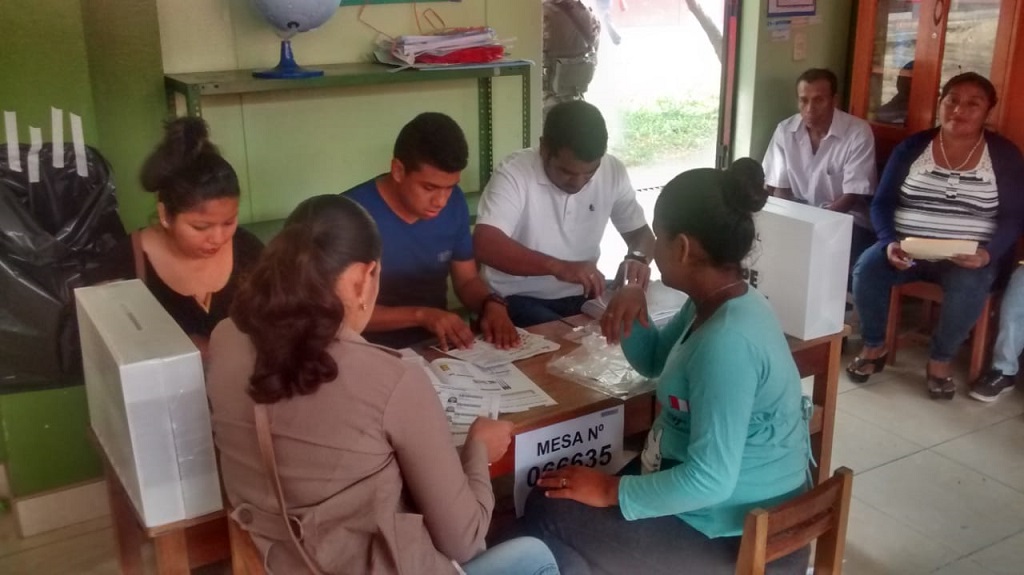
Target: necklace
(942, 148)
(722, 289)
(693, 322)
(954, 175)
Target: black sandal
(853, 370)
(941, 387)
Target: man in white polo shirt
(543, 213)
(825, 157)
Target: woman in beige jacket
(370, 479)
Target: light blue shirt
(732, 434)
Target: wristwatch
(637, 255)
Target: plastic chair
(821, 514)
(931, 293)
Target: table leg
(826, 393)
(126, 530)
(172, 553)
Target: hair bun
(744, 189)
(187, 137)
(185, 140)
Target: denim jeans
(525, 311)
(519, 556)
(595, 540)
(861, 239)
(963, 294)
(1010, 341)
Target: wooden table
(185, 545)
(180, 546)
(818, 358)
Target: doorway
(663, 72)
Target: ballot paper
(516, 391)
(462, 407)
(936, 249)
(487, 356)
(663, 303)
(467, 391)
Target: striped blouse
(938, 203)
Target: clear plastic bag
(600, 366)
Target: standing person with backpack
(571, 33)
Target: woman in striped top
(957, 181)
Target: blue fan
(289, 17)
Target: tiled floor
(939, 487)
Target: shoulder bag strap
(270, 467)
(140, 256)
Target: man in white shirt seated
(544, 211)
(825, 157)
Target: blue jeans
(595, 540)
(963, 294)
(519, 556)
(525, 311)
(861, 239)
(1010, 341)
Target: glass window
(892, 63)
(970, 37)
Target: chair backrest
(821, 514)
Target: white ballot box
(147, 402)
(800, 263)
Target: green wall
(43, 63)
(123, 43)
(44, 433)
(765, 91)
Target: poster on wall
(779, 8)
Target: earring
(362, 306)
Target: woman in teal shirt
(732, 434)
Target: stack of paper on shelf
(455, 46)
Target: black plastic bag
(52, 232)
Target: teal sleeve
(647, 348)
(723, 376)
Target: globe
(289, 17)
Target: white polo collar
(839, 128)
(543, 179)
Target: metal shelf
(194, 86)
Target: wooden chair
(821, 514)
(931, 293)
(246, 559)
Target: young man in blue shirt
(423, 220)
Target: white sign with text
(593, 440)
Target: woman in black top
(192, 258)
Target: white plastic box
(147, 402)
(800, 263)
